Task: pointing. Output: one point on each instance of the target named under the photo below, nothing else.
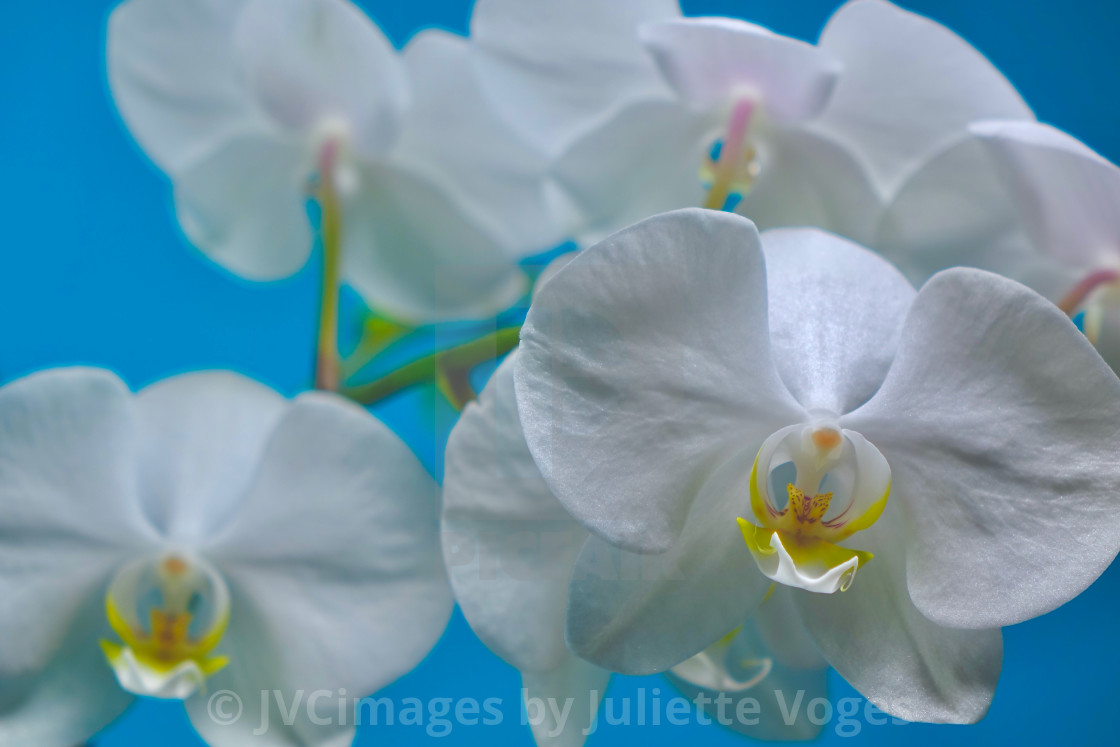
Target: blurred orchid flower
(920, 468)
(1067, 198)
(427, 199)
(511, 548)
(1022, 199)
(646, 111)
(204, 535)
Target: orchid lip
(813, 485)
(170, 611)
(707, 668)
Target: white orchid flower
(921, 468)
(511, 548)
(647, 111)
(205, 535)
(243, 103)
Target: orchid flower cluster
(826, 378)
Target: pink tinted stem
(1076, 297)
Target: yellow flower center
(170, 612)
(835, 484)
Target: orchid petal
(644, 160)
(644, 363)
(1066, 194)
(1106, 337)
(909, 85)
(358, 518)
(554, 67)
(907, 665)
(574, 682)
(410, 251)
(308, 62)
(172, 73)
(806, 178)
(71, 513)
(74, 695)
(509, 545)
(836, 313)
(956, 211)
(711, 61)
(258, 675)
(68, 451)
(999, 421)
(203, 435)
(243, 204)
(638, 614)
(453, 133)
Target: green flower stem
(327, 365)
(378, 333)
(447, 368)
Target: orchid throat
(170, 612)
(812, 486)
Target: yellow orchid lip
(796, 541)
(168, 654)
(804, 562)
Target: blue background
(94, 271)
